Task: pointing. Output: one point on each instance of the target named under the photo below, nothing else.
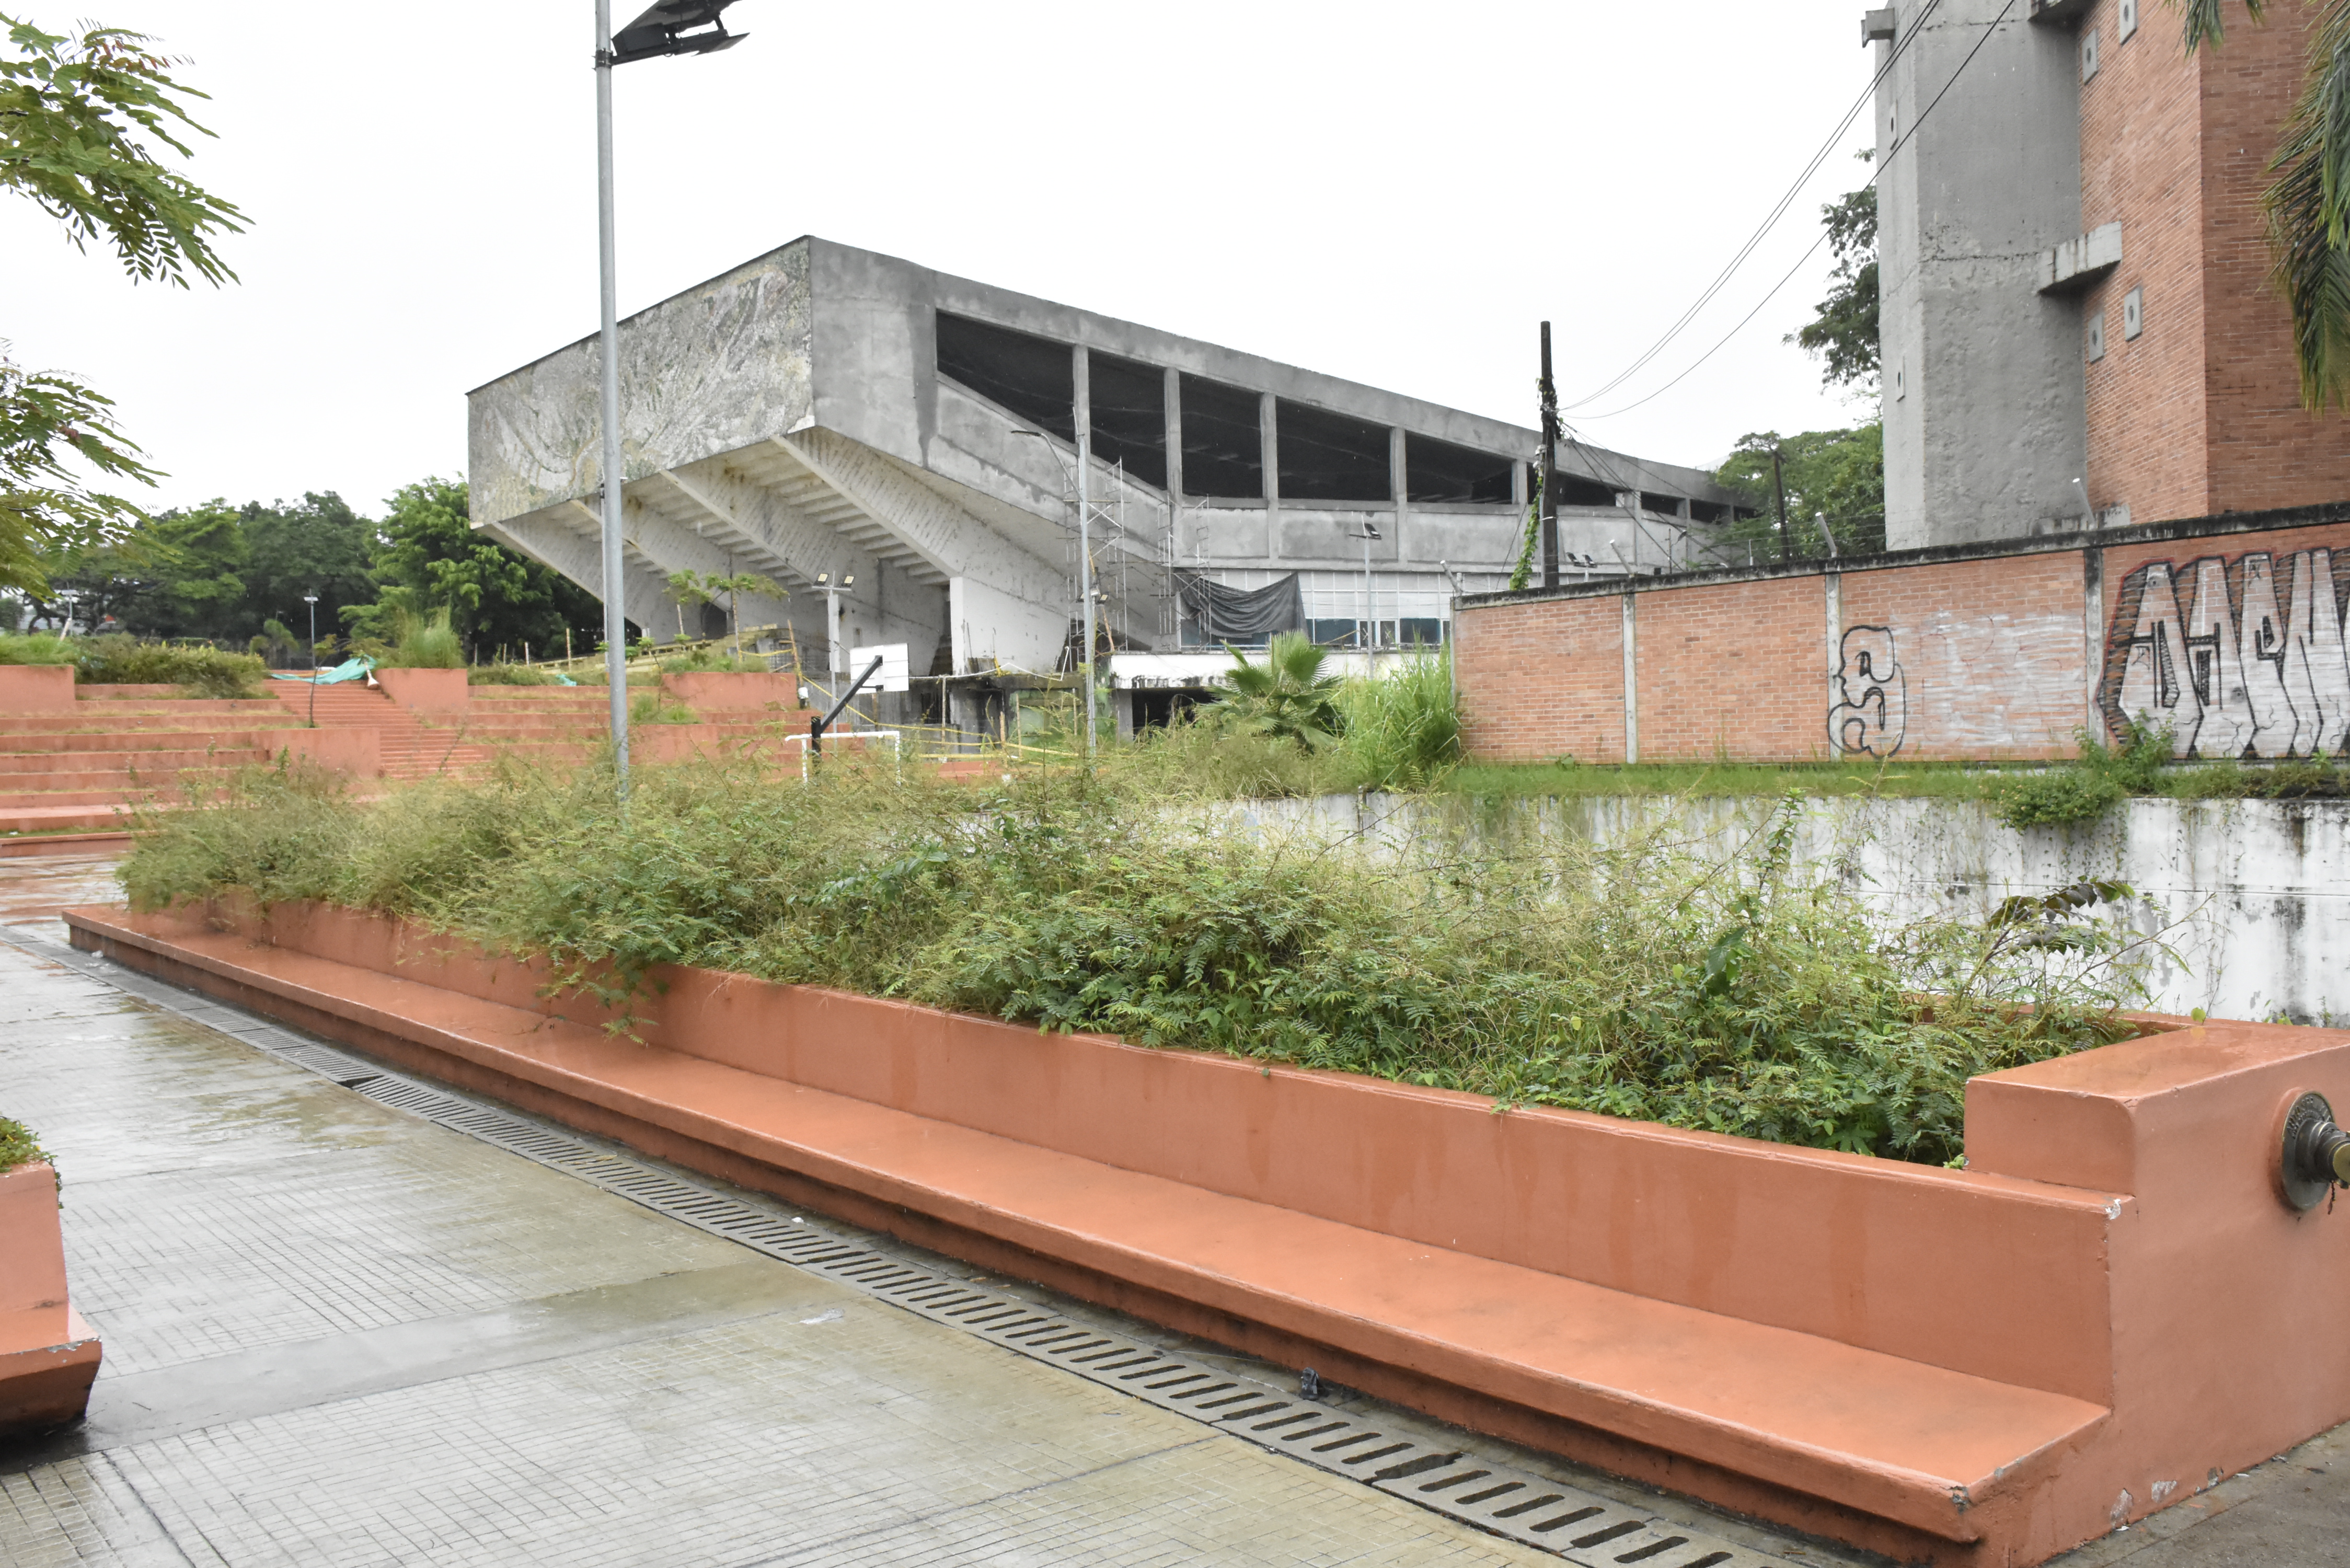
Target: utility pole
(665, 29)
(1779, 484)
(1085, 434)
(1548, 515)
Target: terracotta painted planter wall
(48, 1356)
(36, 687)
(2116, 1241)
(735, 690)
(426, 691)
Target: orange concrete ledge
(48, 1356)
(1980, 1366)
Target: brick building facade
(2079, 328)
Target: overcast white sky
(1397, 194)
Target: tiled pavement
(338, 1334)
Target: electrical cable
(1771, 220)
(1878, 173)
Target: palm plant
(1287, 696)
(2308, 207)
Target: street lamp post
(1369, 536)
(666, 29)
(312, 600)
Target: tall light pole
(666, 29)
(312, 600)
(1369, 536)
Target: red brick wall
(2201, 413)
(1734, 670)
(1543, 681)
(2141, 164)
(1982, 659)
(1992, 653)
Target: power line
(1878, 173)
(1771, 220)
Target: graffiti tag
(2236, 659)
(1871, 712)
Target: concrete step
(84, 742)
(115, 782)
(28, 766)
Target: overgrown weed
(1641, 979)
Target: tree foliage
(1844, 333)
(81, 114)
(1839, 472)
(1286, 698)
(430, 558)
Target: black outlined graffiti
(1871, 713)
(2240, 658)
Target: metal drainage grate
(1577, 1525)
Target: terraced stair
(122, 748)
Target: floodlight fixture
(668, 29)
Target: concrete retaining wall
(2248, 901)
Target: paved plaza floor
(338, 1334)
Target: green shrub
(39, 648)
(115, 660)
(2084, 789)
(710, 659)
(204, 670)
(424, 642)
(1640, 981)
(1403, 728)
(18, 1145)
(653, 706)
(508, 675)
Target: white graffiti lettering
(2245, 671)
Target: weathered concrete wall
(2245, 905)
(2229, 632)
(720, 367)
(1983, 380)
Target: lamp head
(666, 29)
(309, 598)
(848, 579)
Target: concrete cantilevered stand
(2110, 1310)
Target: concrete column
(2093, 625)
(1269, 440)
(1631, 678)
(1398, 478)
(1173, 398)
(1834, 581)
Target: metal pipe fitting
(2316, 1153)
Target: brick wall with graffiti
(2228, 633)
(2235, 649)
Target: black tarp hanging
(1244, 616)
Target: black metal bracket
(817, 727)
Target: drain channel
(1579, 1526)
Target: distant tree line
(234, 575)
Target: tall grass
(1402, 730)
(1641, 979)
(425, 641)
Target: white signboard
(891, 677)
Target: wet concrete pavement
(335, 1332)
